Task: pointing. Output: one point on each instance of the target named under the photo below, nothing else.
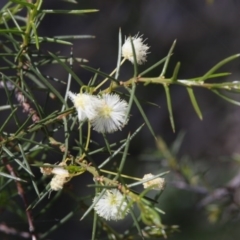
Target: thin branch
(9, 230)
(26, 106)
(227, 191)
(185, 186)
(24, 199)
(8, 84)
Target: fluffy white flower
(156, 184)
(57, 182)
(141, 49)
(61, 176)
(84, 103)
(60, 171)
(112, 205)
(111, 114)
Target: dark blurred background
(206, 33)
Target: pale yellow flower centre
(112, 199)
(79, 102)
(106, 111)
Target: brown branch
(9, 230)
(7, 84)
(22, 100)
(26, 106)
(183, 185)
(24, 199)
(229, 191)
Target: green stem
(122, 175)
(88, 140)
(30, 19)
(100, 84)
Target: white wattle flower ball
(57, 182)
(60, 171)
(84, 104)
(111, 114)
(141, 49)
(61, 176)
(112, 205)
(156, 183)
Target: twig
(227, 191)
(26, 106)
(22, 100)
(8, 84)
(22, 195)
(9, 230)
(185, 186)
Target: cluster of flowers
(113, 205)
(107, 113)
